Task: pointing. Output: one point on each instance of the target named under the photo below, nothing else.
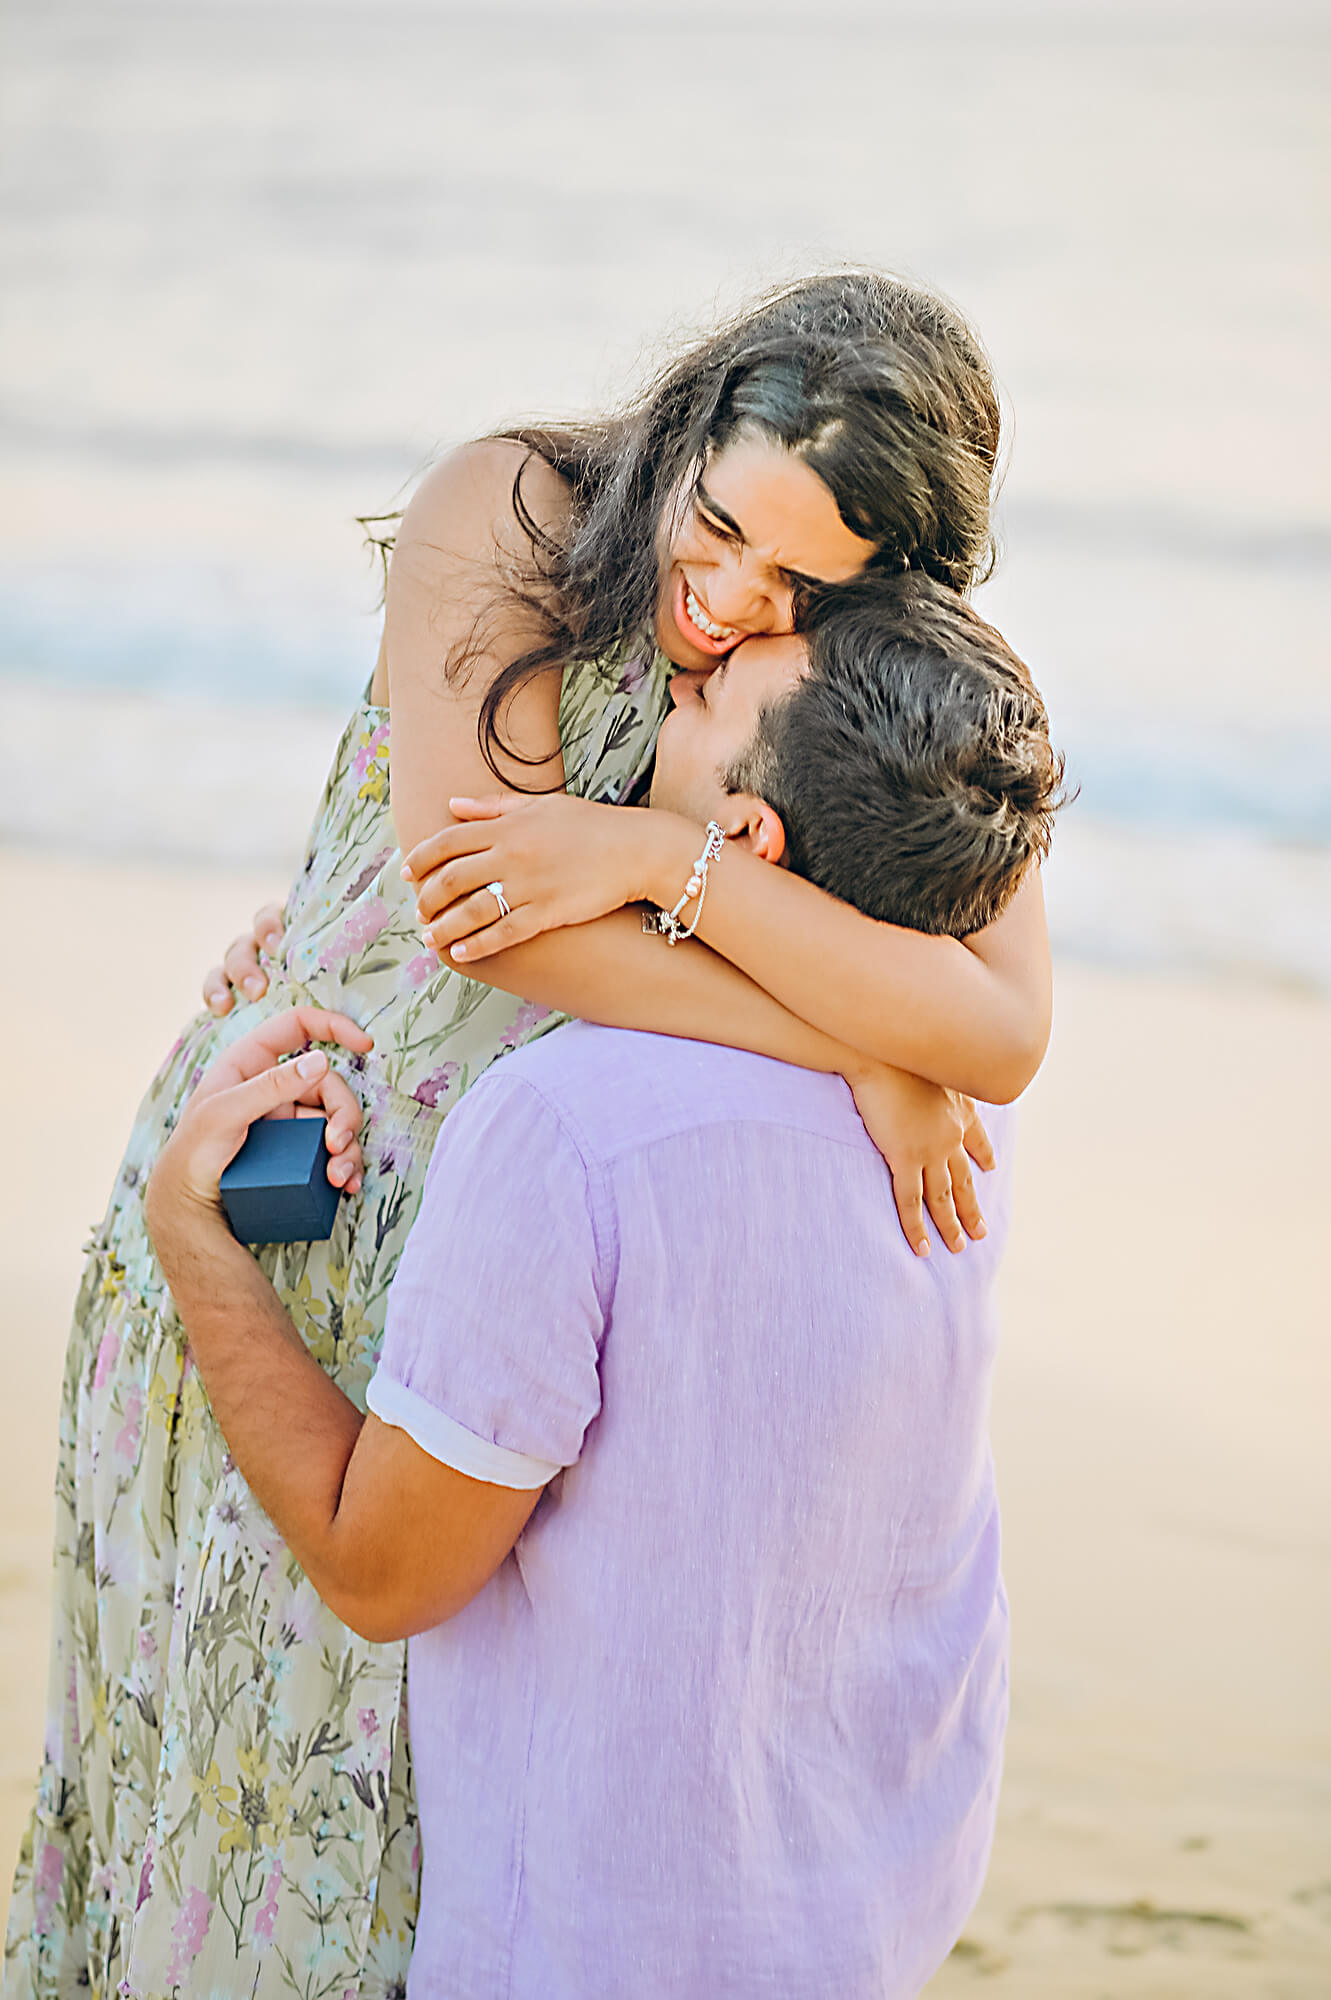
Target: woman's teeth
(698, 617)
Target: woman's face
(759, 525)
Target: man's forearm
(288, 1427)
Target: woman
(225, 1802)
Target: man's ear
(756, 825)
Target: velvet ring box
(276, 1190)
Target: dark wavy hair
(879, 385)
(911, 765)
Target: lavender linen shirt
(729, 1719)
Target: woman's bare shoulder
(466, 504)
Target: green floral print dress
(225, 1802)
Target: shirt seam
(603, 1159)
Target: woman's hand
(559, 861)
(241, 974)
(925, 1134)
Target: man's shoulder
(615, 1089)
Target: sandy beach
(1160, 1399)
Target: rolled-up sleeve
(490, 1355)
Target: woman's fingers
(510, 930)
(976, 1139)
(964, 1198)
(240, 970)
(217, 995)
(492, 808)
(948, 1192)
(449, 844)
(445, 886)
(269, 926)
(908, 1193)
(938, 1198)
(241, 966)
(474, 928)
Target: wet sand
(1166, 1487)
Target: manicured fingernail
(405, 872)
(982, 1229)
(458, 951)
(923, 1248)
(254, 987)
(314, 1063)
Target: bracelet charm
(666, 923)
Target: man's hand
(346, 1491)
(248, 1083)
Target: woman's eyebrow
(728, 521)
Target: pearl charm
(667, 922)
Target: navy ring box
(276, 1190)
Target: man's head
(896, 753)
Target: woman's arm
(445, 592)
(609, 972)
(850, 978)
(446, 575)
(458, 542)
(972, 1016)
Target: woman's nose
(741, 595)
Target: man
(676, 1462)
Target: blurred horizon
(260, 264)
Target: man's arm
(351, 1495)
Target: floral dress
(225, 1803)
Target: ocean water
(258, 264)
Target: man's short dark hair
(911, 766)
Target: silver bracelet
(665, 923)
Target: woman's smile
(757, 526)
(697, 623)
